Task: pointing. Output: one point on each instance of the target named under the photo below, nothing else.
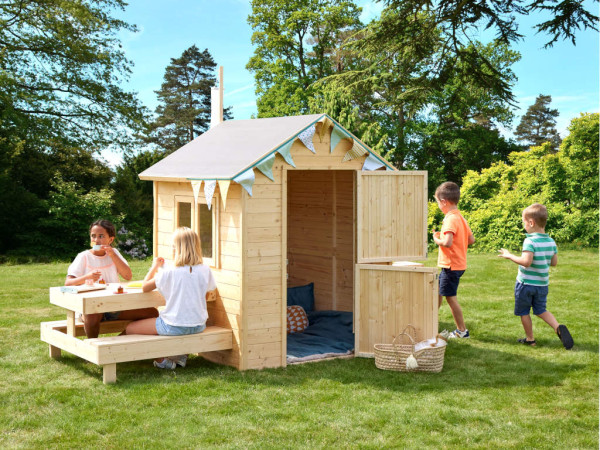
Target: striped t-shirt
(543, 248)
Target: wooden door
(388, 298)
(391, 216)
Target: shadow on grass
(466, 367)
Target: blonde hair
(188, 251)
(538, 213)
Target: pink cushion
(297, 321)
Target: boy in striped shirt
(531, 289)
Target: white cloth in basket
(429, 343)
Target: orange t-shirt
(455, 256)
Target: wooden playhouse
(281, 202)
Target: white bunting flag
(266, 166)
(307, 136)
(246, 179)
(209, 191)
(223, 188)
(372, 163)
(196, 188)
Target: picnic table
(107, 351)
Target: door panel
(388, 298)
(391, 216)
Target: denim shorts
(449, 280)
(164, 329)
(528, 296)
(111, 315)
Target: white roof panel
(228, 149)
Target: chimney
(216, 101)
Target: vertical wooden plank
(334, 242)
(243, 362)
(71, 323)
(360, 209)
(155, 220)
(284, 268)
(54, 352)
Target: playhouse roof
(234, 146)
(229, 148)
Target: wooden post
(54, 351)
(71, 323)
(109, 373)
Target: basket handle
(404, 333)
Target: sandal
(526, 342)
(565, 337)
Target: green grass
(491, 393)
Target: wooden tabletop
(106, 300)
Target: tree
(62, 68)
(538, 124)
(184, 100)
(297, 43)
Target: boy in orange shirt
(453, 239)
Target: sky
(570, 74)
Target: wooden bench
(107, 351)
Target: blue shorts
(449, 280)
(111, 315)
(164, 329)
(528, 296)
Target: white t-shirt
(184, 289)
(86, 261)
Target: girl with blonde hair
(186, 285)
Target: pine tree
(184, 110)
(538, 124)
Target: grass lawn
(492, 392)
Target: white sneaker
(166, 363)
(180, 360)
(459, 334)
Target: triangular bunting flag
(246, 179)
(209, 191)
(196, 188)
(356, 151)
(307, 136)
(325, 125)
(285, 153)
(266, 166)
(336, 136)
(223, 188)
(372, 163)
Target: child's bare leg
(456, 312)
(144, 326)
(440, 299)
(91, 324)
(548, 317)
(528, 327)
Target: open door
(391, 216)
(392, 226)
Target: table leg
(109, 373)
(71, 323)
(54, 351)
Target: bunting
(285, 153)
(196, 188)
(325, 125)
(266, 166)
(356, 151)
(336, 136)
(246, 179)
(209, 191)
(372, 163)
(223, 188)
(307, 136)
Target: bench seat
(107, 351)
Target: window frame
(215, 261)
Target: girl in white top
(186, 286)
(102, 261)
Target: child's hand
(504, 253)
(436, 234)
(109, 250)
(159, 262)
(93, 275)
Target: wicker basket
(393, 356)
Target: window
(184, 214)
(203, 221)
